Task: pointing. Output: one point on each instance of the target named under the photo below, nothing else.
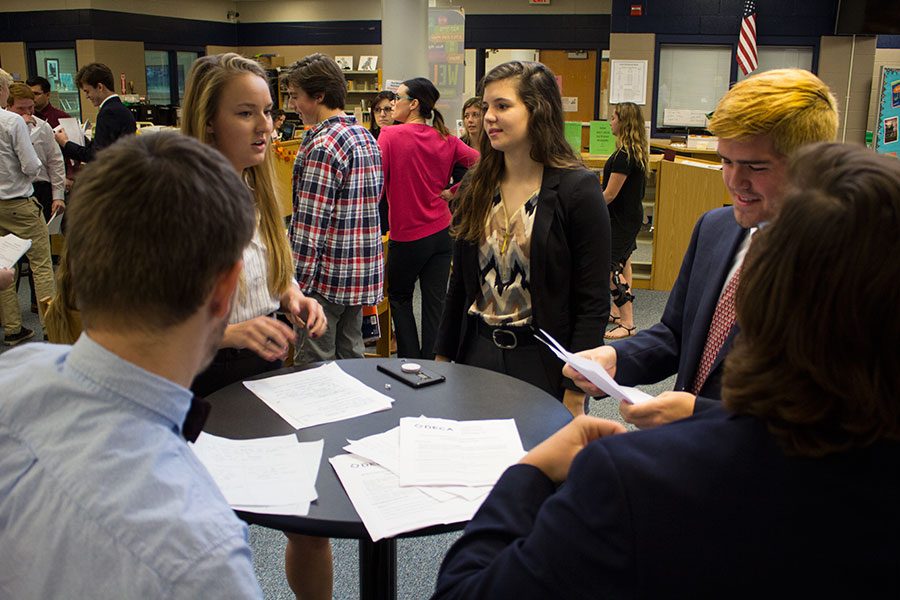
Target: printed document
(448, 452)
(594, 373)
(384, 449)
(12, 248)
(73, 130)
(315, 396)
(386, 509)
(266, 472)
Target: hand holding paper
(594, 372)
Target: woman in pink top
(418, 159)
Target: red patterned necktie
(722, 322)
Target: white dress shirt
(19, 163)
(54, 167)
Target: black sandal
(629, 331)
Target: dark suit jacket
(675, 344)
(113, 121)
(709, 507)
(569, 273)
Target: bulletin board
(887, 125)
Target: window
(781, 57)
(58, 66)
(691, 81)
(166, 72)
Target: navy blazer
(709, 507)
(569, 272)
(675, 344)
(113, 121)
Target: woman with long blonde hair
(624, 176)
(227, 104)
(531, 240)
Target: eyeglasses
(384, 111)
(410, 98)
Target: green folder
(602, 140)
(573, 135)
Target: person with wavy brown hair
(790, 489)
(531, 240)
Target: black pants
(522, 362)
(428, 261)
(229, 366)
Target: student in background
(278, 118)
(227, 105)
(792, 491)
(382, 115)
(114, 120)
(624, 176)
(532, 240)
(102, 497)
(42, 107)
(418, 161)
(382, 112)
(50, 183)
(473, 117)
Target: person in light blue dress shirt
(100, 495)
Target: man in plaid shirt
(335, 230)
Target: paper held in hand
(594, 373)
(12, 248)
(73, 130)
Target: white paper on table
(386, 509)
(384, 449)
(315, 396)
(12, 247)
(73, 130)
(594, 373)
(54, 225)
(300, 509)
(448, 452)
(273, 471)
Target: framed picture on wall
(344, 62)
(367, 63)
(51, 65)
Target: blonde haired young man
(760, 122)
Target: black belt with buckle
(506, 338)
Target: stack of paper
(12, 247)
(425, 472)
(594, 373)
(275, 475)
(315, 396)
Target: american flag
(746, 52)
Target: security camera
(231, 15)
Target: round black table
(469, 393)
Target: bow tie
(195, 419)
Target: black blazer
(113, 121)
(569, 273)
(708, 507)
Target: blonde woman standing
(227, 104)
(624, 176)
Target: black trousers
(522, 362)
(229, 366)
(428, 261)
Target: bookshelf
(361, 85)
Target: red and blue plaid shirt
(335, 230)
